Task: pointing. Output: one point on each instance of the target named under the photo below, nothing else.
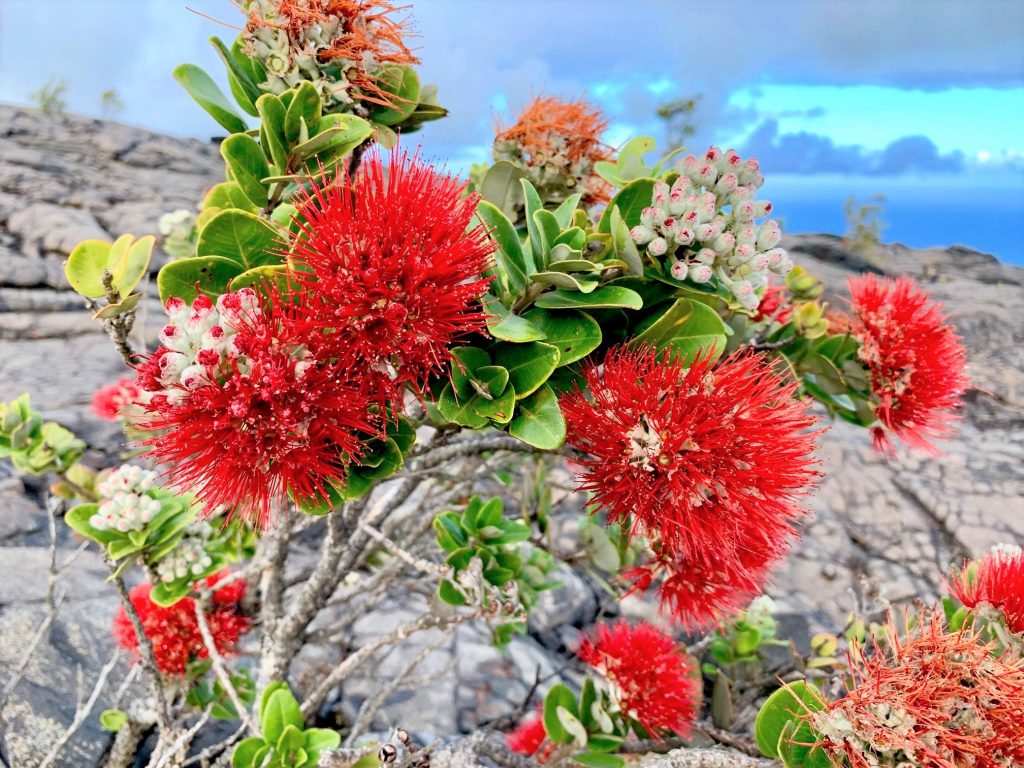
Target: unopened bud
(701, 273)
(657, 247)
(678, 270)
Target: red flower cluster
(174, 630)
(109, 402)
(528, 737)
(390, 263)
(706, 461)
(774, 305)
(243, 414)
(935, 699)
(916, 360)
(996, 580)
(652, 678)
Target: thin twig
(217, 662)
(182, 741)
(81, 713)
(147, 656)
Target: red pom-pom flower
(243, 414)
(997, 580)
(528, 737)
(391, 264)
(915, 358)
(174, 630)
(706, 461)
(651, 676)
(109, 402)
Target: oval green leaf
(206, 275)
(607, 297)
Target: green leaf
(319, 739)
(500, 186)
(245, 753)
(272, 115)
(538, 241)
(574, 334)
(336, 136)
(689, 328)
(538, 420)
(631, 201)
(304, 109)
(206, 275)
(248, 166)
(623, 246)
(245, 97)
(403, 85)
(240, 66)
(788, 704)
(721, 701)
(465, 362)
(563, 213)
(281, 711)
(516, 265)
(228, 194)
(200, 86)
(567, 282)
(509, 327)
(598, 760)
(548, 231)
(113, 720)
(528, 365)
(558, 697)
(126, 259)
(460, 412)
(261, 276)
(606, 297)
(448, 592)
(242, 237)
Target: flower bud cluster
(189, 557)
(199, 342)
(127, 505)
(292, 59)
(705, 225)
(180, 231)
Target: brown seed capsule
(387, 754)
(403, 736)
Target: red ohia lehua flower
(916, 360)
(110, 401)
(650, 675)
(528, 737)
(705, 591)
(775, 305)
(934, 699)
(174, 630)
(706, 461)
(390, 262)
(997, 580)
(242, 412)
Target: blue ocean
(918, 212)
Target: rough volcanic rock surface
(882, 529)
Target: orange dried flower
(359, 35)
(560, 139)
(933, 699)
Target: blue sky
(920, 100)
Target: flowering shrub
(357, 343)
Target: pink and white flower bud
(706, 256)
(779, 261)
(759, 263)
(642, 235)
(707, 174)
(768, 235)
(701, 273)
(677, 201)
(657, 247)
(678, 270)
(740, 194)
(194, 377)
(726, 184)
(748, 172)
(177, 310)
(690, 166)
(724, 243)
(746, 234)
(713, 154)
(684, 235)
(682, 184)
(661, 193)
(744, 252)
(744, 211)
(649, 216)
